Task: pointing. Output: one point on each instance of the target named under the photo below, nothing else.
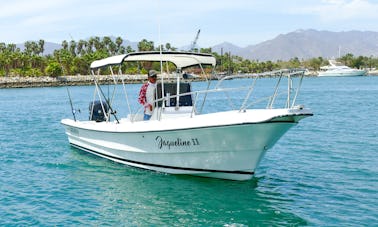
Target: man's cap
(152, 73)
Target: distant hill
(228, 47)
(49, 47)
(306, 44)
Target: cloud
(23, 8)
(241, 21)
(342, 10)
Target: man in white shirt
(147, 94)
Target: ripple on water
(322, 172)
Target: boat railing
(192, 93)
(291, 93)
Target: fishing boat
(338, 70)
(181, 137)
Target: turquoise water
(323, 172)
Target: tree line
(75, 57)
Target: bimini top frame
(180, 59)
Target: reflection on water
(137, 197)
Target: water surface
(323, 172)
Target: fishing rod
(72, 109)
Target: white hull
(222, 145)
(181, 138)
(343, 73)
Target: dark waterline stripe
(161, 166)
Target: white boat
(179, 138)
(337, 69)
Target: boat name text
(178, 142)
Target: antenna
(161, 61)
(194, 43)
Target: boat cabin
(171, 89)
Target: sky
(240, 22)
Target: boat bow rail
(290, 91)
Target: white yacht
(337, 69)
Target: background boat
(337, 69)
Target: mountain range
(303, 44)
(306, 44)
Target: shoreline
(80, 80)
(45, 81)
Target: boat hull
(230, 151)
(342, 73)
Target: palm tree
(89, 45)
(347, 59)
(3, 47)
(112, 48)
(28, 47)
(145, 45)
(65, 45)
(41, 43)
(129, 49)
(168, 46)
(80, 47)
(73, 47)
(118, 42)
(97, 43)
(106, 40)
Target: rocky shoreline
(45, 81)
(24, 82)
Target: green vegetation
(75, 57)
